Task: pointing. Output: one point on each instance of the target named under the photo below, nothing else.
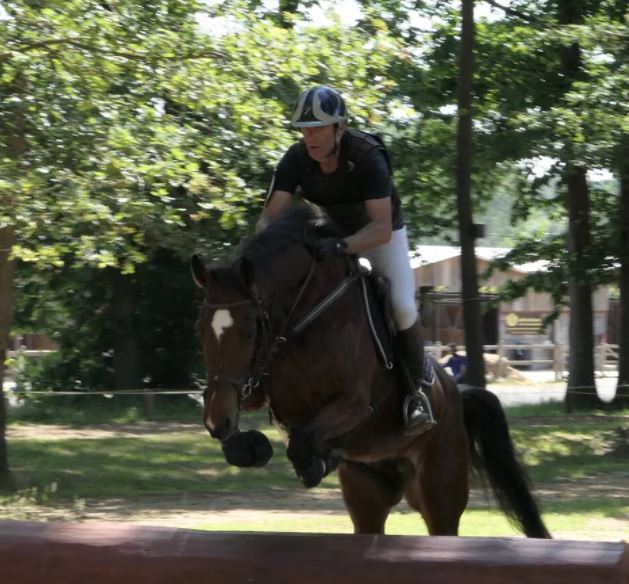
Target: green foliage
(143, 130)
(145, 133)
(74, 306)
(129, 129)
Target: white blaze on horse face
(221, 321)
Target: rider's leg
(392, 261)
(417, 412)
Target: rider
(347, 173)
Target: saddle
(376, 293)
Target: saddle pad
(429, 370)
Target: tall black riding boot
(417, 413)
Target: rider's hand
(330, 247)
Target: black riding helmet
(319, 106)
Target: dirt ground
(218, 509)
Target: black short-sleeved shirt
(363, 174)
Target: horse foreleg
(309, 447)
(339, 416)
(369, 492)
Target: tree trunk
(472, 320)
(15, 143)
(7, 237)
(621, 400)
(581, 393)
(125, 343)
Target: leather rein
(268, 343)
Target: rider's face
(319, 141)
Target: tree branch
(509, 11)
(86, 47)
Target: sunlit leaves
(144, 130)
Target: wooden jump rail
(65, 553)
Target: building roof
(423, 255)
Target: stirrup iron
(423, 419)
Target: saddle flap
(379, 310)
(377, 303)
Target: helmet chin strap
(337, 142)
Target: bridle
(268, 343)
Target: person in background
(457, 364)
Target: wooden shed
(438, 279)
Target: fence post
(501, 366)
(600, 355)
(558, 361)
(149, 404)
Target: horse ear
(199, 272)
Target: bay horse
(281, 330)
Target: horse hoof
(247, 449)
(261, 447)
(314, 474)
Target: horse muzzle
(224, 431)
(247, 449)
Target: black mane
(298, 226)
(295, 226)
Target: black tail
(492, 452)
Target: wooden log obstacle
(65, 553)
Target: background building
(438, 278)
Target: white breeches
(391, 261)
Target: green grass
(597, 518)
(474, 523)
(59, 471)
(567, 451)
(138, 466)
(86, 409)
(555, 449)
(549, 408)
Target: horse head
(227, 327)
(241, 301)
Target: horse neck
(325, 278)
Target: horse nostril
(223, 431)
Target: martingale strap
(320, 308)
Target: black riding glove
(330, 247)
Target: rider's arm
(375, 178)
(275, 204)
(283, 184)
(375, 233)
